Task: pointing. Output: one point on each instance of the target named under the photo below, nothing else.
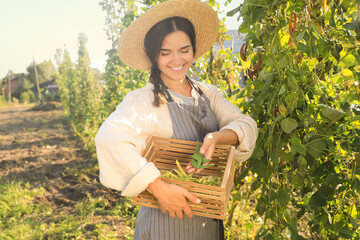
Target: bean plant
(302, 66)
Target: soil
(38, 147)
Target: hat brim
(205, 20)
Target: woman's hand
(172, 198)
(225, 136)
(207, 149)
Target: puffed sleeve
(230, 117)
(119, 142)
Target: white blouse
(122, 137)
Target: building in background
(14, 83)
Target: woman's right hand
(172, 198)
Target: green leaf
(317, 199)
(323, 49)
(255, 184)
(291, 100)
(282, 110)
(300, 36)
(347, 60)
(197, 157)
(198, 165)
(258, 14)
(265, 89)
(346, 233)
(302, 161)
(350, 26)
(316, 148)
(288, 125)
(283, 197)
(297, 181)
(308, 121)
(233, 12)
(193, 162)
(353, 222)
(297, 147)
(258, 166)
(241, 94)
(269, 61)
(303, 48)
(282, 90)
(332, 114)
(258, 152)
(332, 21)
(205, 166)
(242, 175)
(235, 92)
(346, 72)
(292, 82)
(205, 160)
(244, 27)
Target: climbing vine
(301, 60)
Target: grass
(29, 211)
(17, 208)
(23, 215)
(15, 102)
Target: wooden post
(9, 89)
(37, 83)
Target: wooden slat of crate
(209, 203)
(216, 189)
(169, 165)
(164, 152)
(205, 208)
(220, 163)
(206, 204)
(185, 161)
(219, 152)
(215, 209)
(183, 144)
(186, 157)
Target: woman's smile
(177, 68)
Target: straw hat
(202, 16)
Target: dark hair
(153, 41)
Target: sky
(34, 29)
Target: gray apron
(190, 122)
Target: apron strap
(167, 95)
(195, 87)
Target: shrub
(27, 97)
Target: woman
(166, 40)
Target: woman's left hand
(207, 149)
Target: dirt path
(38, 147)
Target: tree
(46, 70)
(64, 79)
(85, 105)
(119, 79)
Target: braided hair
(152, 43)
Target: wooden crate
(164, 151)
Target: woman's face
(175, 57)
